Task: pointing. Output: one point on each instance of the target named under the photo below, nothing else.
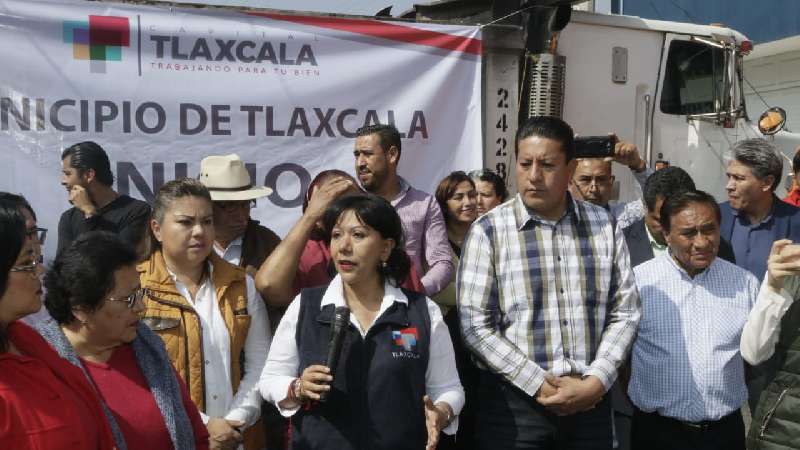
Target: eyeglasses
(131, 300)
(230, 206)
(39, 233)
(32, 268)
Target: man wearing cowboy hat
(239, 240)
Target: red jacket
(793, 198)
(46, 403)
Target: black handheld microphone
(341, 318)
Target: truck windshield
(694, 74)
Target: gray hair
(761, 156)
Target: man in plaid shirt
(548, 305)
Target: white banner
(160, 88)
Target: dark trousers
(468, 374)
(507, 419)
(654, 432)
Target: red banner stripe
(385, 30)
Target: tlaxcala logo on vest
(406, 341)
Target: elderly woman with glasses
(33, 232)
(94, 297)
(45, 402)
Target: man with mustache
(240, 240)
(547, 304)
(687, 374)
(86, 175)
(377, 154)
(593, 182)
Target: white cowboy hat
(228, 180)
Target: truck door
(699, 96)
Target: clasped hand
(569, 395)
(224, 434)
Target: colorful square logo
(406, 338)
(98, 40)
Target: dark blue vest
(375, 402)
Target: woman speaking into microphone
(394, 385)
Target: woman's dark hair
(18, 200)
(12, 234)
(446, 189)
(680, 201)
(88, 155)
(83, 274)
(380, 215)
(168, 193)
(497, 182)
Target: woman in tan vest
(208, 313)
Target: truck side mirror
(772, 121)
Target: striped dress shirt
(685, 360)
(537, 296)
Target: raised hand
(783, 261)
(627, 154)
(79, 197)
(325, 194)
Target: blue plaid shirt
(685, 360)
(538, 296)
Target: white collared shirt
(441, 378)
(658, 249)
(245, 404)
(763, 328)
(685, 361)
(232, 253)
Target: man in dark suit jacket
(644, 237)
(753, 217)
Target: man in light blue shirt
(593, 182)
(687, 375)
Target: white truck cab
(674, 89)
